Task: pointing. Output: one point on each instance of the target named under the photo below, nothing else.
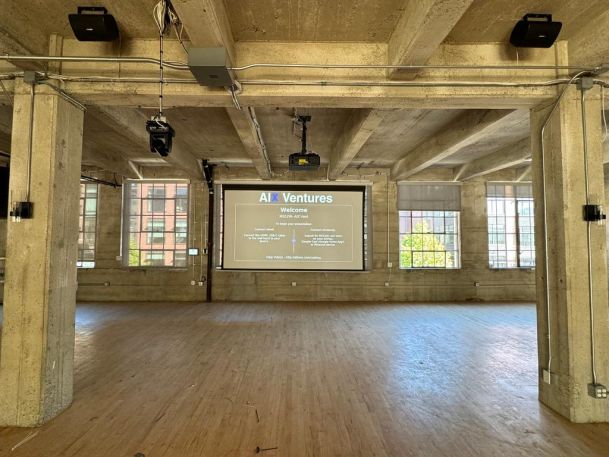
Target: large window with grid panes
(87, 225)
(155, 223)
(511, 225)
(429, 225)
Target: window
(429, 225)
(156, 234)
(155, 229)
(87, 225)
(511, 225)
(181, 230)
(156, 199)
(429, 239)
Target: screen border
(295, 187)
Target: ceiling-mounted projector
(535, 31)
(304, 160)
(93, 23)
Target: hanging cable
(162, 20)
(605, 129)
(259, 138)
(232, 90)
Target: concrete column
(36, 364)
(570, 323)
(474, 230)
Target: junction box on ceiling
(210, 67)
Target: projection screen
(295, 227)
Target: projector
(304, 161)
(541, 33)
(93, 27)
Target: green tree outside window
(423, 249)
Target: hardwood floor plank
(313, 380)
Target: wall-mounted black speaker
(93, 23)
(4, 172)
(535, 31)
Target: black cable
(100, 181)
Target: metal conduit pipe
(412, 67)
(588, 237)
(339, 83)
(346, 83)
(545, 227)
(184, 66)
(150, 60)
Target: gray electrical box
(210, 67)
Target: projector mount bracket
(303, 121)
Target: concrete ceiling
(314, 20)
(403, 31)
(493, 20)
(209, 133)
(282, 137)
(298, 20)
(400, 132)
(34, 20)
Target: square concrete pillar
(36, 363)
(569, 334)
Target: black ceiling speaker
(93, 23)
(535, 31)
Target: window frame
(518, 226)
(456, 215)
(155, 216)
(82, 229)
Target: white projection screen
(293, 227)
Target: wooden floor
(312, 380)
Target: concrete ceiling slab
(208, 132)
(493, 20)
(33, 21)
(400, 132)
(513, 129)
(314, 20)
(282, 139)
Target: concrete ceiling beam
(207, 25)
(248, 130)
(110, 161)
(132, 123)
(359, 127)
(334, 93)
(590, 46)
(524, 174)
(422, 28)
(12, 46)
(511, 156)
(469, 128)
(176, 95)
